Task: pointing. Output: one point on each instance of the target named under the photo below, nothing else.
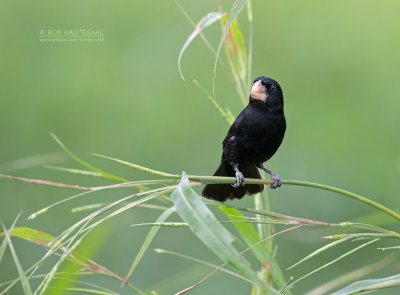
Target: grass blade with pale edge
(235, 51)
(89, 291)
(75, 171)
(251, 237)
(236, 48)
(333, 261)
(237, 7)
(390, 248)
(351, 276)
(320, 250)
(370, 285)
(21, 273)
(167, 224)
(138, 167)
(206, 21)
(3, 248)
(150, 236)
(191, 208)
(86, 164)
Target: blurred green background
(337, 61)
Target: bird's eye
(273, 87)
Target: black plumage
(253, 139)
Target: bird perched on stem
(253, 138)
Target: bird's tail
(222, 192)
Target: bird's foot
(277, 181)
(240, 180)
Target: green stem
(217, 179)
(345, 193)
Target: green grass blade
(261, 252)
(320, 250)
(236, 48)
(235, 51)
(390, 248)
(333, 261)
(89, 291)
(209, 230)
(162, 251)
(86, 164)
(150, 236)
(237, 7)
(156, 193)
(25, 283)
(67, 251)
(224, 114)
(75, 171)
(261, 228)
(351, 276)
(206, 21)
(279, 216)
(167, 224)
(346, 193)
(250, 42)
(47, 208)
(3, 248)
(50, 276)
(370, 285)
(138, 167)
(31, 235)
(87, 207)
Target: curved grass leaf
(138, 167)
(237, 7)
(191, 208)
(86, 164)
(162, 251)
(320, 250)
(370, 285)
(261, 252)
(333, 261)
(236, 48)
(3, 248)
(206, 21)
(25, 283)
(31, 235)
(348, 277)
(150, 236)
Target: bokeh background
(339, 66)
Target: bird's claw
(240, 180)
(277, 181)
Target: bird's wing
(233, 131)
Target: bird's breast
(261, 140)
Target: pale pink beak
(258, 91)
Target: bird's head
(266, 92)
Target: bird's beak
(258, 91)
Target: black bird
(253, 138)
